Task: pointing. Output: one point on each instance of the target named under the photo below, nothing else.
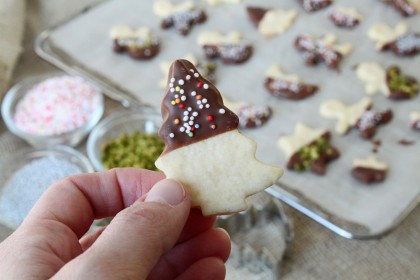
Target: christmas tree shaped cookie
(204, 149)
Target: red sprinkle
(200, 84)
(181, 106)
(210, 118)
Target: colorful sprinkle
(210, 118)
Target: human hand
(154, 235)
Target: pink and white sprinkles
(57, 105)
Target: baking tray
(82, 46)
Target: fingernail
(166, 191)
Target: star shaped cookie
(308, 149)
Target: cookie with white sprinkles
(204, 149)
(250, 115)
(346, 17)
(324, 50)
(315, 5)
(287, 86)
(405, 7)
(138, 43)
(370, 120)
(183, 17)
(230, 47)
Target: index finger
(77, 200)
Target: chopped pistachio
(135, 150)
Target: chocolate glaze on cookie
(192, 108)
(370, 120)
(207, 70)
(343, 20)
(288, 89)
(400, 86)
(403, 6)
(138, 48)
(315, 53)
(184, 21)
(252, 116)
(256, 14)
(314, 156)
(230, 54)
(314, 5)
(368, 175)
(406, 45)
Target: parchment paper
(376, 207)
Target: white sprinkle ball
(172, 89)
(207, 106)
(182, 91)
(188, 77)
(196, 75)
(172, 135)
(182, 129)
(181, 82)
(206, 86)
(27, 184)
(171, 85)
(195, 114)
(172, 80)
(183, 98)
(204, 100)
(222, 111)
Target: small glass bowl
(144, 120)
(71, 138)
(12, 162)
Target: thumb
(138, 236)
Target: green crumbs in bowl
(136, 150)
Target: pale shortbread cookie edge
(219, 172)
